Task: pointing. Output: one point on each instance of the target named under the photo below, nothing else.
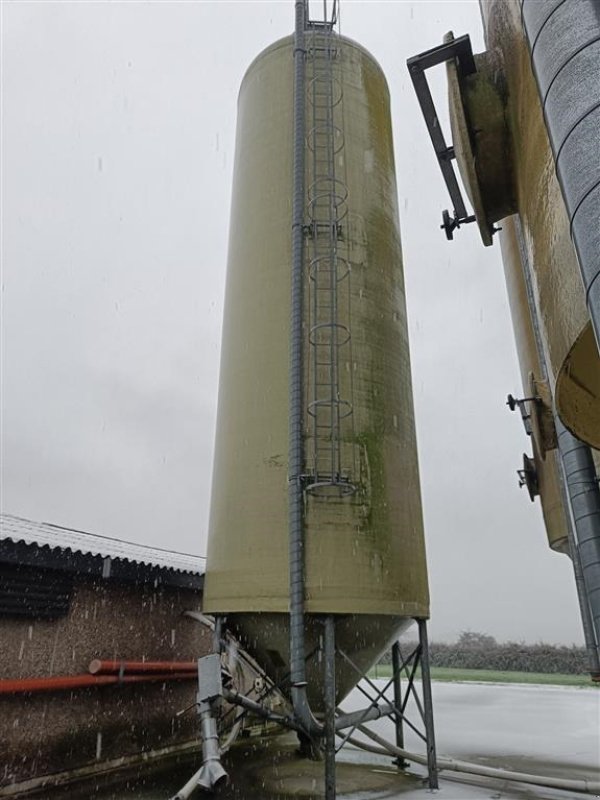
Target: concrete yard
(546, 730)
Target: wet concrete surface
(259, 769)
(553, 731)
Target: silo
(548, 54)
(538, 68)
(524, 134)
(364, 549)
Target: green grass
(492, 676)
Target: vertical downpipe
(296, 415)
(589, 634)
(590, 630)
(582, 485)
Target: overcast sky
(117, 148)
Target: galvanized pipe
(296, 418)
(296, 406)
(446, 763)
(189, 788)
(564, 41)
(235, 698)
(592, 641)
(582, 486)
(356, 718)
(591, 644)
(212, 773)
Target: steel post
(427, 705)
(397, 675)
(330, 704)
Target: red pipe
(98, 667)
(66, 682)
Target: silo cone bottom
(364, 638)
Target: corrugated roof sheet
(17, 529)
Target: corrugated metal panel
(43, 534)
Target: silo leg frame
(338, 724)
(334, 722)
(433, 762)
(382, 706)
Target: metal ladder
(329, 328)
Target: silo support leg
(396, 672)
(427, 704)
(329, 686)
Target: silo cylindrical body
(544, 58)
(517, 172)
(540, 162)
(364, 546)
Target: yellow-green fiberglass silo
(363, 531)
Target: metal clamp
(514, 403)
(528, 477)
(461, 51)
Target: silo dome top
(288, 41)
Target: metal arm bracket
(459, 50)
